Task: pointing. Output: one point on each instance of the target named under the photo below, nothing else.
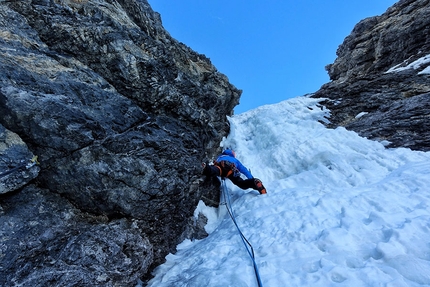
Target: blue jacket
(230, 158)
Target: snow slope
(341, 210)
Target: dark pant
(243, 183)
(212, 170)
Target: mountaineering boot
(260, 186)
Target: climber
(228, 166)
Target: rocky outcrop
(380, 84)
(120, 116)
(54, 244)
(18, 165)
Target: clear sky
(272, 50)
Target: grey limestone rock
(120, 115)
(45, 241)
(18, 166)
(380, 87)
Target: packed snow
(417, 64)
(341, 210)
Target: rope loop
(23, 164)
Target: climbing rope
(23, 164)
(245, 241)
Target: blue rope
(245, 241)
(23, 164)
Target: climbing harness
(245, 241)
(23, 164)
(227, 168)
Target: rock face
(17, 163)
(55, 244)
(380, 84)
(120, 116)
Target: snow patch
(361, 114)
(211, 213)
(417, 64)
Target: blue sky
(272, 50)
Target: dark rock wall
(379, 43)
(18, 166)
(121, 116)
(397, 104)
(55, 244)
